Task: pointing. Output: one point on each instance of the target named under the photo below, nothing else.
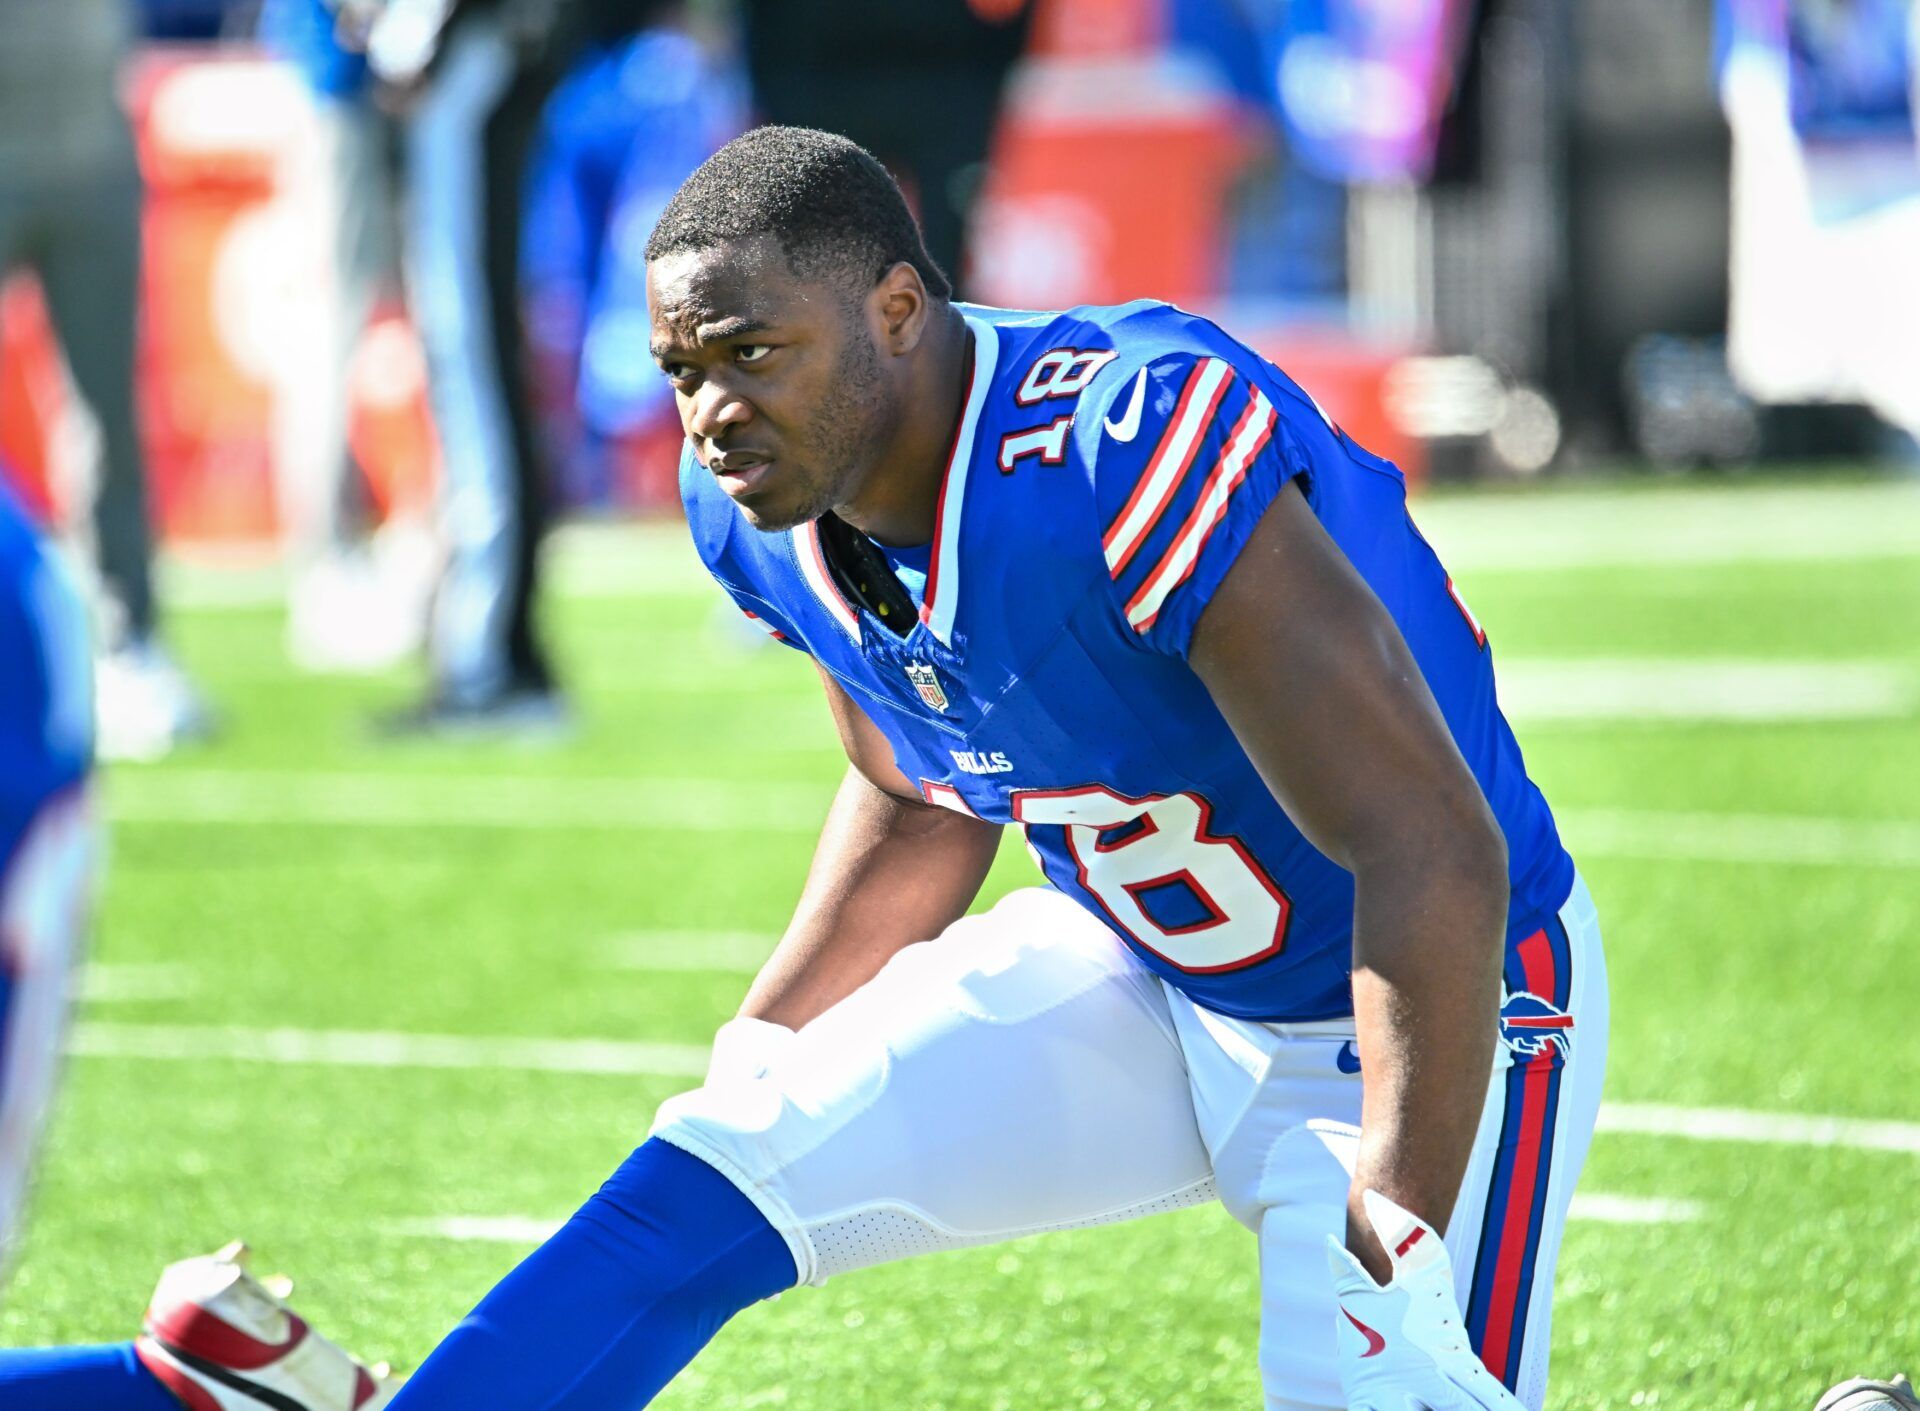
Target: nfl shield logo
(927, 684)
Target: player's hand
(745, 1048)
(1403, 1347)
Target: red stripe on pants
(1503, 1311)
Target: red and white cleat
(219, 1340)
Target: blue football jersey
(1108, 467)
(46, 706)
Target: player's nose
(716, 410)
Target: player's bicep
(1324, 695)
(867, 749)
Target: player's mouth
(739, 471)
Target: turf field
(387, 1011)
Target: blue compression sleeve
(602, 1315)
(72, 1378)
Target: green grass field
(1718, 685)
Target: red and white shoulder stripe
(1186, 429)
(1249, 437)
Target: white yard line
(337, 1048)
(356, 1049)
(1536, 689)
(1633, 1210)
(1771, 838)
(1733, 1124)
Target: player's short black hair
(833, 208)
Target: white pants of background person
(1024, 1073)
(356, 603)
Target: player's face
(778, 380)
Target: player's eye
(751, 352)
(676, 372)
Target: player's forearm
(1429, 935)
(888, 872)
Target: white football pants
(1024, 1073)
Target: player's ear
(900, 306)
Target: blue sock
(602, 1315)
(79, 1379)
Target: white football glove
(745, 1049)
(1404, 1347)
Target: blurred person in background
(917, 85)
(70, 212)
(352, 605)
(1825, 291)
(627, 126)
(474, 77)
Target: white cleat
(221, 1340)
(144, 704)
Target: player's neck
(898, 503)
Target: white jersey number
(1047, 442)
(1061, 372)
(1128, 850)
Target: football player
(215, 1339)
(1309, 943)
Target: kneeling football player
(1309, 944)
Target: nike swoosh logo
(1128, 426)
(1375, 1343)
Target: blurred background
(451, 811)
(1496, 238)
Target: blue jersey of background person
(618, 137)
(46, 719)
(1109, 465)
(306, 33)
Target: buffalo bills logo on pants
(1531, 1026)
